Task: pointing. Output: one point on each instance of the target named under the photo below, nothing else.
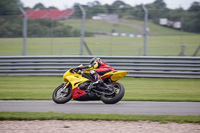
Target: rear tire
(116, 97)
(61, 97)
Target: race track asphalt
(97, 107)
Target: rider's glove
(77, 69)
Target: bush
(38, 28)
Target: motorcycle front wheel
(116, 96)
(62, 94)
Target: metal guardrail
(138, 66)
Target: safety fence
(137, 66)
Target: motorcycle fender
(117, 75)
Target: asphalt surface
(97, 107)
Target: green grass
(28, 88)
(162, 42)
(122, 46)
(156, 29)
(137, 89)
(94, 117)
(123, 26)
(99, 26)
(160, 89)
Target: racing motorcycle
(77, 83)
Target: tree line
(11, 23)
(38, 28)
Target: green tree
(9, 7)
(195, 6)
(96, 3)
(119, 7)
(39, 6)
(10, 29)
(191, 22)
(77, 13)
(53, 8)
(118, 4)
(99, 9)
(9, 20)
(160, 3)
(138, 12)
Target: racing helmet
(95, 59)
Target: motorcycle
(77, 83)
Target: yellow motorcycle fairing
(116, 75)
(77, 79)
(74, 79)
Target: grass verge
(94, 117)
(137, 89)
(110, 45)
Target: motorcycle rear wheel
(61, 95)
(115, 97)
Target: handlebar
(76, 71)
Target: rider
(97, 67)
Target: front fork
(64, 86)
(63, 91)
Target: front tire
(62, 94)
(116, 97)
